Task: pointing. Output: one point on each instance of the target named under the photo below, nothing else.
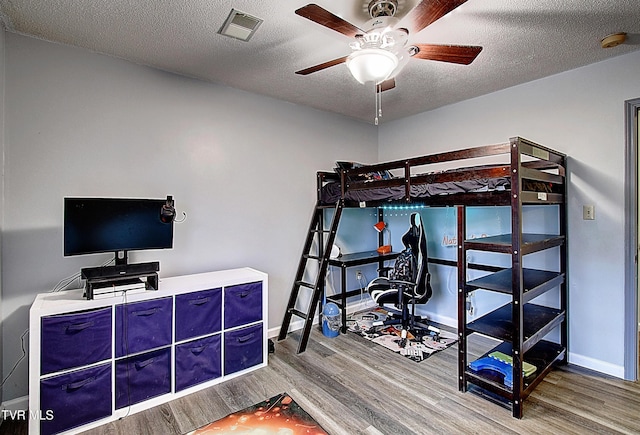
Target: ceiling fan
(380, 49)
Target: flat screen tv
(118, 225)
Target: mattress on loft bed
(331, 192)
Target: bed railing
(530, 160)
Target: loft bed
(516, 173)
(537, 173)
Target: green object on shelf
(527, 368)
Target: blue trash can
(331, 320)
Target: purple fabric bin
(142, 377)
(143, 325)
(242, 304)
(198, 313)
(74, 340)
(242, 348)
(198, 361)
(75, 398)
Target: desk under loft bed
(514, 174)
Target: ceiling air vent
(240, 25)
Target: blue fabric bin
(198, 361)
(242, 348)
(198, 313)
(142, 377)
(242, 304)
(74, 340)
(143, 325)
(75, 398)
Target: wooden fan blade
(426, 12)
(325, 18)
(462, 54)
(386, 85)
(322, 66)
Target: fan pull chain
(377, 89)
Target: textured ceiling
(523, 40)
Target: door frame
(631, 241)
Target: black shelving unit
(520, 327)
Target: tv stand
(95, 362)
(120, 274)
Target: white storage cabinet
(94, 361)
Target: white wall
(580, 113)
(241, 166)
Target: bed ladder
(325, 239)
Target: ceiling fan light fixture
(372, 64)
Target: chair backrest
(423, 278)
(415, 242)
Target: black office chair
(408, 282)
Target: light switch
(588, 212)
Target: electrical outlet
(358, 275)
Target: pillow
(367, 176)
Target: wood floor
(351, 386)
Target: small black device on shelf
(118, 225)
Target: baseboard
(14, 408)
(354, 304)
(436, 318)
(362, 305)
(573, 358)
(597, 365)
(293, 326)
(19, 403)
